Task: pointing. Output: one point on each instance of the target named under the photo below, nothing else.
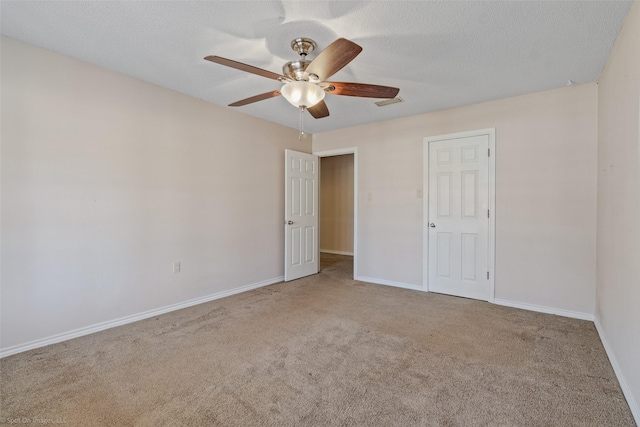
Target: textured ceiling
(441, 54)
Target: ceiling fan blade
(319, 110)
(256, 98)
(362, 90)
(243, 67)
(333, 58)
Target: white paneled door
(458, 216)
(301, 215)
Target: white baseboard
(633, 405)
(330, 251)
(543, 309)
(130, 319)
(388, 283)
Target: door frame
(491, 133)
(340, 152)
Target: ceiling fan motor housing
(295, 70)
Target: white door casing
(301, 215)
(458, 225)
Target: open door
(301, 215)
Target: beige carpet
(324, 351)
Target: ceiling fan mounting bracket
(303, 46)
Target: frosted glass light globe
(302, 94)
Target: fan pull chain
(300, 124)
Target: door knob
(432, 225)
(289, 222)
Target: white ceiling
(441, 54)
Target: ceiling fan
(304, 80)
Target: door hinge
(488, 213)
(489, 152)
(487, 275)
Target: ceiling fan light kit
(305, 82)
(302, 94)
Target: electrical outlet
(176, 267)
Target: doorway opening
(338, 210)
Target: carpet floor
(323, 351)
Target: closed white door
(458, 216)
(301, 215)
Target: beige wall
(107, 180)
(545, 194)
(336, 204)
(618, 270)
